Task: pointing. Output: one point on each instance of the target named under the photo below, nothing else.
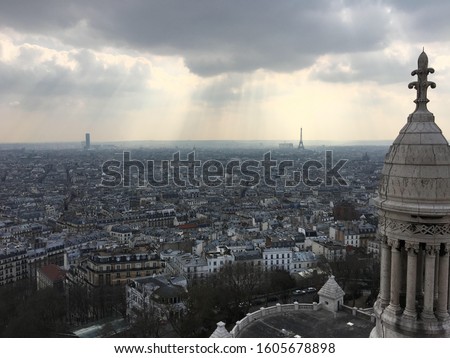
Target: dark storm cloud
(424, 20)
(213, 36)
(41, 16)
(216, 36)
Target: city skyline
(216, 71)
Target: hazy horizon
(199, 144)
(215, 70)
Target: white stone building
(278, 258)
(216, 261)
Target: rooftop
(308, 324)
(53, 272)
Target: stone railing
(364, 313)
(267, 311)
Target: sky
(217, 69)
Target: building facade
(119, 266)
(13, 265)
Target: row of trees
(227, 296)
(358, 272)
(27, 312)
(85, 304)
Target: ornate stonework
(422, 83)
(411, 228)
(412, 247)
(414, 217)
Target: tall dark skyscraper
(87, 145)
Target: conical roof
(221, 331)
(331, 289)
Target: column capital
(431, 250)
(394, 243)
(384, 240)
(412, 247)
(445, 249)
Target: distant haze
(217, 70)
(189, 145)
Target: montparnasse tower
(414, 225)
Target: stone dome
(416, 173)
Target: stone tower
(414, 226)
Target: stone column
(411, 278)
(441, 310)
(430, 261)
(436, 276)
(396, 270)
(420, 272)
(385, 274)
(404, 270)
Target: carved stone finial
(422, 83)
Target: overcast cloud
(208, 53)
(213, 36)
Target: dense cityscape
(146, 260)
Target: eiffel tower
(300, 144)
